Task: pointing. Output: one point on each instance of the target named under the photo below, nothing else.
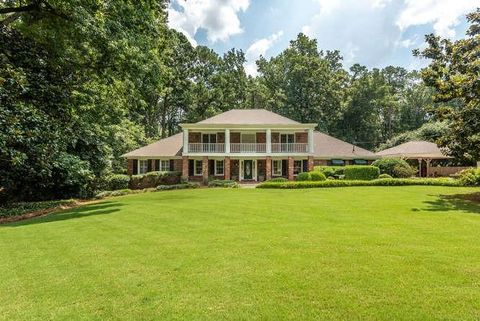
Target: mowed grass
(357, 253)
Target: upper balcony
(248, 142)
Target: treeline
(82, 82)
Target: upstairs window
(209, 138)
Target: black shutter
(157, 165)
(211, 167)
(284, 167)
(149, 165)
(191, 164)
(172, 165)
(305, 165)
(135, 166)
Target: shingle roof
(414, 149)
(167, 147)
(326, 146)
(249, 117)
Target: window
(249, 138)
(277, 167)
(218, 167)
(360, 162)
(198, 167)
(286, 140)
(209, 138)
(142, 166)
(164, 165)
(297, 167)
(337, 162)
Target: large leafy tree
(454, 73)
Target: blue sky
(375, 33)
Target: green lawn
(370, 253)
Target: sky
(374, 33)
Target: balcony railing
(290, 148)
(244, 148)
(206, 148)
(248, 148)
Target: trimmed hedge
(395, 167)
(119, 192)
(383, 176)
(153, 179)
(278, 180)
(376, 182)
(16, 209)
(117, 181)
(331, 171)
(305, 176)
(177, 186)
(223, 183)
(361, 172)
(317, 176)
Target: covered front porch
(244, 169)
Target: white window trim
(139, 162)
(195, 167)
(167, 161)
(216, 137)
(273, 167)
(292, 133)
(223, 167)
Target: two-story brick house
(245, 145)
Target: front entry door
(247, 169)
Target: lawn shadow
(467, 203)
(68, 214)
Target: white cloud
(443, 14)
(257, 49)
(219, 18)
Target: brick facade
(290, 168)
(320, 162)
(205, 169)
(301, 138)
(194, 137)
(275, 138)
(235, 138)
(261, 138)
(130, 167)
(184, 167)
(310, 163)
(226, 168)
(268, 168)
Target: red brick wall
(235, 138)
(130, 167)
(205, 169)
(221, 138)
(275, 137)
(301, 138)
(261, 138)
(226, 168)
(268, 168)
(320, 162)
(290, 168)
(184, 162)
(194, 137)
(310, 163)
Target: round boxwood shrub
(384, 176)
(317, 176)
(117, 181)
(361, 172)
(305, 176)
(395, 167)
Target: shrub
(317, 176)
(361, 172)
(331, 171)
(394, 167)
(117, 181)
(222, 183)
(470, 177)
(305, 176)
(403, 171)
(119, 192)
(177, 186)
(377, 182)
(16, 209)
(153, 179)
(278, 180)
(384, 176)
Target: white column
(185, 141)
(310, 141)
(227, 141)
(269, 141)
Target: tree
(454, 74)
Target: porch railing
(289, 148)
(206, 148)
(248, 148)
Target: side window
(277, 167)
(198, 167)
